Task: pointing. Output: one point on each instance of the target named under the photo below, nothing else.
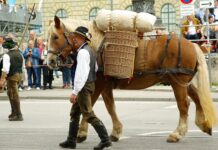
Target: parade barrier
(119, 53)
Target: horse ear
(57, 22)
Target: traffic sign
(187, 1)
(206, 3)
(186, 10)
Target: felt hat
(83, 31)
(9, 43)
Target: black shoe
(50, 87)
(11, 115)
(68, 144)
(16, 118)
(103, 145)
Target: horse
(175, 61)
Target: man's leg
(37, 77)
(84, 100)
(14, 97)
(73, 128)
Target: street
(146, 126)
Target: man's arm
(5, 69)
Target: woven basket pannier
(119, 53)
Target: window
(168, 16)
(93, 13)
(130, 8)
(61, 13)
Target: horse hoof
(209, 131)
(113, 138)
(173, 138)
(81, 139)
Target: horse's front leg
(183, 106)
(107, 95)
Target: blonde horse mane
(97, 35)
(201, 83)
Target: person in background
(159, 32)
(2, 49)
(214, 11)
(33, 37)
(12, 70)
(32, 56)
(41, 46)
(47, 72)
(190, 30)
(66, 72)
(2, 52)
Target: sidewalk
(154, 93)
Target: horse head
(58, 43)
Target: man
(32, 56)
(84, 84)
(12, 70)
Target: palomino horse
(167, 61)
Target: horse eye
(55, 37)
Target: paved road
(146, 126)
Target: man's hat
(9, 43)
(84, 32)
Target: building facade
(167, 10)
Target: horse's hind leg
(107, 95)
(183, 106)
(200, 117)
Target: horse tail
(201, 83)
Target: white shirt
(191, 28)
(82, 70)
(6, 63)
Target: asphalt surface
(146, 126)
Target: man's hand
(73, 98)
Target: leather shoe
(103, 145)
(16, 118)
(68, 144)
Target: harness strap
(100, 52)
(165, 71)
(165, 49)
(179, 53)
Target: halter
(65, 44)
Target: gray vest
(92, 73)
(16, 61)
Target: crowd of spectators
(194, 26)
(36, 72)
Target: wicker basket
(119, 53)
(121, 38)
